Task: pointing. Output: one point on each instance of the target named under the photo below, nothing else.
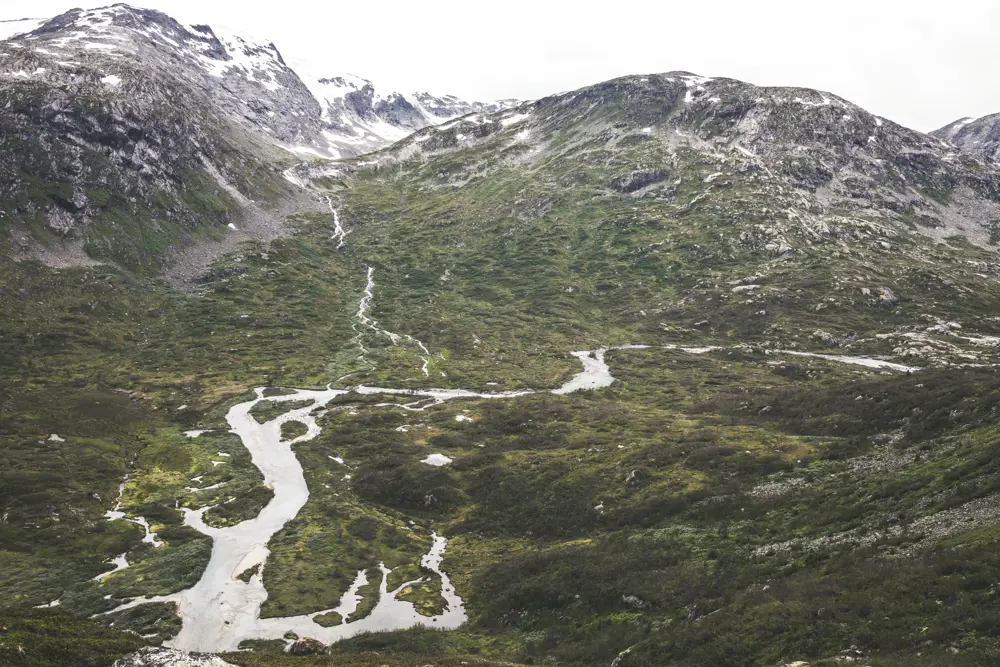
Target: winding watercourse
(222, 610)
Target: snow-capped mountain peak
(257, 59)
(130, 49)
(330, 116)
(359, 116)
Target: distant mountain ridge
(12, 27)
(978, 136)
(358, 118)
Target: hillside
(977, 136)
(132, 139)
(668, 370)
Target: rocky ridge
(976, 136)
(358, 118)
(249, 79)
(828, 168)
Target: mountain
(827, 165)
(820, 217)
(977, 136)
(668, 370)
(168, 127)
(358, 119)
(127, 139)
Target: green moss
(158, 619)
(329, 620)
(293, 429)
(265, 411)
(425, 596)
(39, 638)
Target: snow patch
(437, 460)
(514, 118)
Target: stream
(221, 610)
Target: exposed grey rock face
(165, 657)
(119, 124)
(249, 81)
(636, 180)
(977, 136)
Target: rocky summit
(667, 370)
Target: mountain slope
(675, 210)
(358, 119)
(791, 212)
(977, 136)
(781, 448)
(133, 139)
(119, 146)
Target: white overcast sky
(921, 63)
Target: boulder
(307, 646)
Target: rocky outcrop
(164, 657)
(637, 180)
(307, 646)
